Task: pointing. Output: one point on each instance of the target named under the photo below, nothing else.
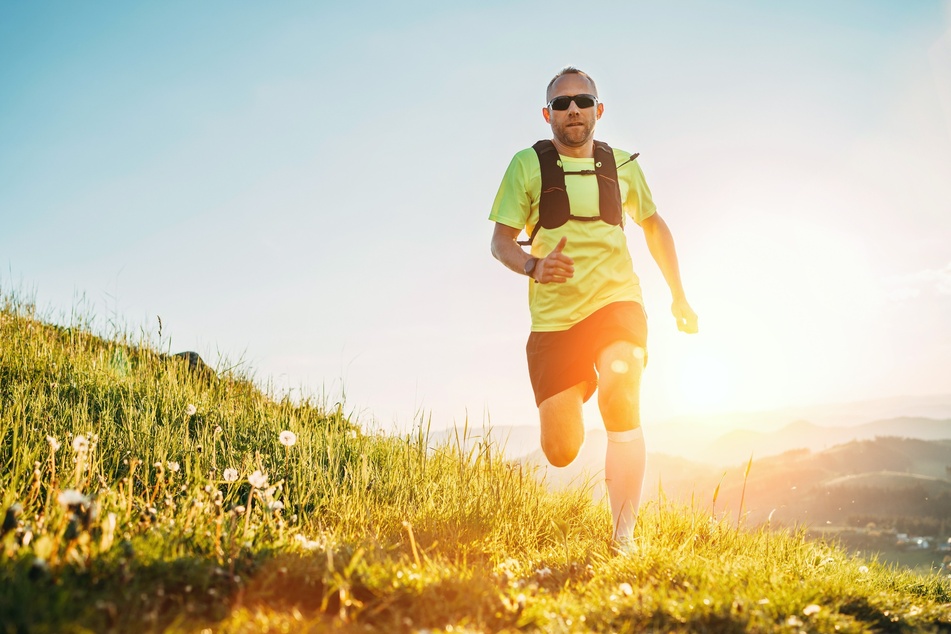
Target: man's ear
(600, 109)
(547, 115)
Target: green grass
(352, 531)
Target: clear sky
(305, 186)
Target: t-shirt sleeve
(639, 204)
(513, 203)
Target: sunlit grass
(137, 491)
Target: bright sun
(703, 381)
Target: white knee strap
(625, 436)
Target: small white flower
(173, 467)
(811, 609)
(54, 444)
(190, 410)
(625, 589)
(257, 479)
(288, 438)
(72, 497)
(276, 505)
(863, 570)
(239, 510)
(80, 444)
(307, 544)
(230, 475)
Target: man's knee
(560, 452)
(621, 366)
(620, 407)
(562, 425)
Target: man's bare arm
(555, 267)
(660, 242)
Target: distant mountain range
(727, 439)
(739, 445)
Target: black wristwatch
(530, 266)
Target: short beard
(565, 135)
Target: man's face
(573, 127)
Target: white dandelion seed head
(80, 444)
(257, 479)
(863, 570)
(307, 544)
(276, 505)
(288, 438)
(811, 609)
(230, 475)
(54, 443)
(190, 410)
(625, 589)
(72, 497)
(174, 467)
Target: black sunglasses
(563, 103)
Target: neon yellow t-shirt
(604, 272)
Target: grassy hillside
(139, 495)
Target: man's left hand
(686, 318)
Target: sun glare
(704, 382)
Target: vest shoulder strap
(553, 207)
(609, 191)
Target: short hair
(569, 70)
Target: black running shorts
(562, 359)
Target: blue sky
(305, 187)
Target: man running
(589, 330)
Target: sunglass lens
(584, 101)
(560, 103)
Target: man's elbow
(497, 246)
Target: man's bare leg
(562, 425)
(620, 366)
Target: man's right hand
(556, 266)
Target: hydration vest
(553, 207)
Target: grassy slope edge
(136, 521)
